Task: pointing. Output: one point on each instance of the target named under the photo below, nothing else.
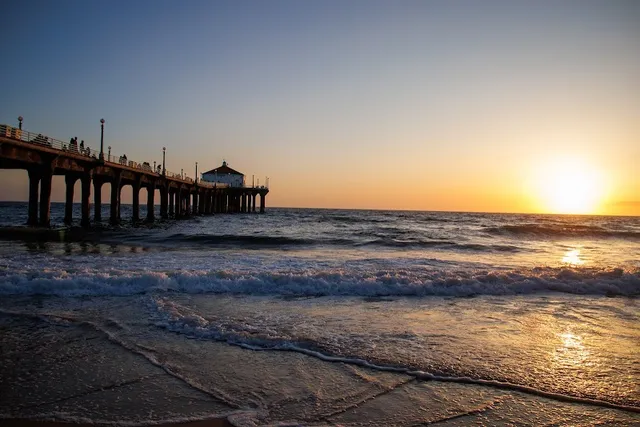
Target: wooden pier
(180, 197)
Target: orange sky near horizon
(514, 196)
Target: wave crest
(564, 230)
(611, 282)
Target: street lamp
(20, 122)
(164, 170)
(109, 155)
(196, 172)
(102, 140)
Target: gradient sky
(430, 105)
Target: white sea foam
(89, 282)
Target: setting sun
(570, 186)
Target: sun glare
(572, 258)
(570, 187)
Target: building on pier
(224, 175)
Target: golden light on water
(571, 350)
(572, 257)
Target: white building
(225, 175)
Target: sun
(570, 186)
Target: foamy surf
(115, 282)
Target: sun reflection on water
(572, 257)
(571, 350)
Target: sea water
(341, 317)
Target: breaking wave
(58, 282)
(444, 244)
(229, 239)
(562, 230)
(246, 241)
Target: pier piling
(70, 182)
(151, 192)
(135, 211)
(45, 197)
(172, 195)
(34, 183)
(115, 200)
(164, 196)
(85, 200)
(97, 200)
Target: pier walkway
(43, 157)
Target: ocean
(323, 317)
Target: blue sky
(435, 97)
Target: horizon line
(392, 210)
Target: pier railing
(73, 148)
(44, 140)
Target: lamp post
(102, 140)
(164, 170)
(109, 155)
(20, 122)
(196, 172)
(154, 166)
(181, 173)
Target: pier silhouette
(180, 196)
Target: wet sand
(75, 372)
(220, 422)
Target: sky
(492, 106)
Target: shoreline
(77, 373)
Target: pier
(180, 197)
